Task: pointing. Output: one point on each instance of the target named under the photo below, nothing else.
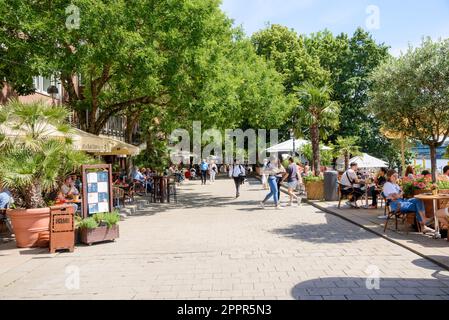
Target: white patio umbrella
(366, 161)
(287, 146)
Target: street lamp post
(292, 136)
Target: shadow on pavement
(358, 288)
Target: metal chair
(398, 215)
(5, 221)
(171, 190)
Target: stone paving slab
(213, 246)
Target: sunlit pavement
(213, 246)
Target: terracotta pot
(31, 227)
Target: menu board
(97, 189)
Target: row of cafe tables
(439, 201)
(161, 188)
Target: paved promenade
(212, 246)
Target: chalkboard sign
(97, 189)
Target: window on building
(41, 84)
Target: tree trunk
(433, 160)
(33, 197)
(315, 136)
(346, 161)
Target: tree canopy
(411, 94)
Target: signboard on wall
(97, 189)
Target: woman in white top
(213, 170)
(394, 194)
(238, 173)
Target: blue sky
(400, 22)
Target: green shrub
(88, 223)
(313, 179)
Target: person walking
(279, 178)
(238, 173)
(264, 176)
(272, 170)
(204, 166)
(292, 178)
(213, 170)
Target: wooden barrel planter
(315, 190)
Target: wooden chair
(398, 215)
(344, 195)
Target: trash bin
(331, 186)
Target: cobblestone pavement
(212, 246)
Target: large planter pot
(100, 234)
(31, 227)
(315, 190)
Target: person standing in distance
(237, 173)
(204, 166)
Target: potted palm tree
(347, 147)
(34, 158)
(318, 112)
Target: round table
(435, 199)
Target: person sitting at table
(395, 195)
(5, 198)
(351, 185)
(426, 173)
(374, 191)
(445, 176)
(410, 172)
(68, 188)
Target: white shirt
(390, 188)
(346, 181)
(235, 171)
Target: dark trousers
(238, 183)
(357, 193)
(374, 194)
(203, 176)
(278, 182)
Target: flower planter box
(100, 234)
(315, 190)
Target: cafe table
(436, 199)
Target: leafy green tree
(411, 95)
(350, 61)
(150, 53)
(287, 50)
(347, 147)
(316, 109)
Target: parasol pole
(403, 153)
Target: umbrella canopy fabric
(287, 146)
(366, 161)
(82, 141)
